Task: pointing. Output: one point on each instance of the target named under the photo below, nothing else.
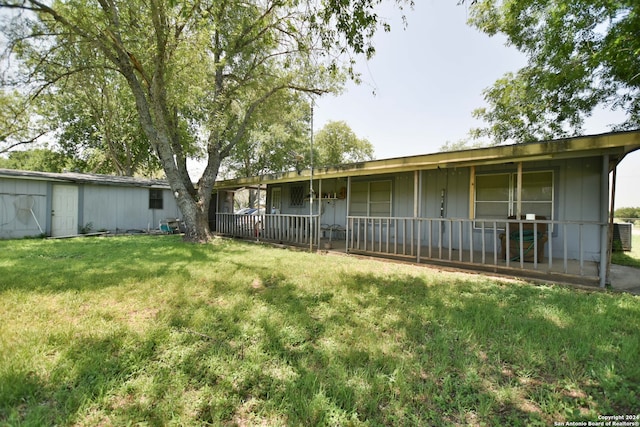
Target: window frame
(156, 198)
(512, 196)
(369, 201)
(298, 202)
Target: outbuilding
(66, 204)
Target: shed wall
(118, 209)
(15, 220)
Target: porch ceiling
(617, 145)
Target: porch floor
(622, 278)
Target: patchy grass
(629, 258)
(149, 330)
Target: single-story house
(539, 209)
(64, 204)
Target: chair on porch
(528, 243)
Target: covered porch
(538, 209)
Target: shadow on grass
(94, 263)
(367, 349)
(622, 258)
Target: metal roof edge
(84, 178)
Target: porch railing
(284, 228)
(542, 246)
(565, 247)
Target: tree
(582, 55)
(627, 213)
(98, 126)
(337, 144)
(18, 125)
(281, 132)
(204, 65)
(39, 159)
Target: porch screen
(497, 194)
(370, 198)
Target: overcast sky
(428, 79)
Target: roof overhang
(616, 145)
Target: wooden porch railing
(543, 245)
(284, 228)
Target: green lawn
(630, 258)
(152, 331)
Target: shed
(63, 204)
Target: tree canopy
(98, 126)
(39, 159)
(582, 55)
(627, 213)
(336, 144)
(199, 72)
(19, 125)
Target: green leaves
(582, 55)
(200, 75)
(337, 144)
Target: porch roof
(616, 144)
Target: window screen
(296, 198)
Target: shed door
(64, 211)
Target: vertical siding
(118, 209)
(578, 198)
(402, 195)
(15, 224)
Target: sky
(427, 80)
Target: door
(64, 211)
(276, 200)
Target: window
(497, 194)
(296, 196)
(155, 198)
(370, 198)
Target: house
(538, 209)
(64, 204)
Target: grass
(629, 258)
(152, 331)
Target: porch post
(604, 223)
(217, 211)
(257, 229)
(472, 192)
(612, 207)
(346, 228)
(416, 195)
(519, 192)
(318, 224)
(417, 190)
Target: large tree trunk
(195, 204)
(196, 219)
